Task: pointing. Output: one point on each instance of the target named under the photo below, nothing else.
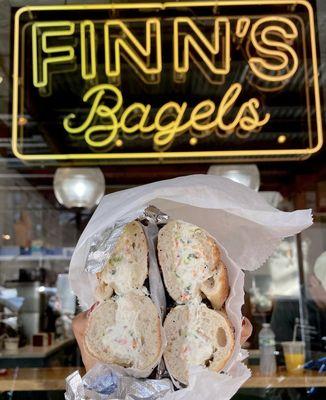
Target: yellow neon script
(205, 116)
(272, 57)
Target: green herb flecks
(115, 259)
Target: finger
(319, 303)
(92, 308)
(246, 330)
(313, 280)
(320, 299)
(79, 325)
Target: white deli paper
(244, 225)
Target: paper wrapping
(244, 225)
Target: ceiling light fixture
(273, 198)
(246, 174)
(79, 187)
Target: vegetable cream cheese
(192, 266)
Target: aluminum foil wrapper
(101, 247)
(103, 243)
(104, 382)
(153, 216)
(73, 386)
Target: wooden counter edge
(43, 379)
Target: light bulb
(79, 187)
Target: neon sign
(136, 46)
(247, 117)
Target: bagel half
(191, 265)
(126, 330)
(196, 335)
(127, 268)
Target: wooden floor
(29, 379)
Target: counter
(32, 379)
(36, 356)
(30, 351)
(283, 379)
(54, 379)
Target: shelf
(35, 257)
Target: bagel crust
(196, 335)
(126, 330)
(191, 264)
(127, 268)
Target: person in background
(286, 312)
(23, 232)
(317, 282)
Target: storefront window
(70, 114)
